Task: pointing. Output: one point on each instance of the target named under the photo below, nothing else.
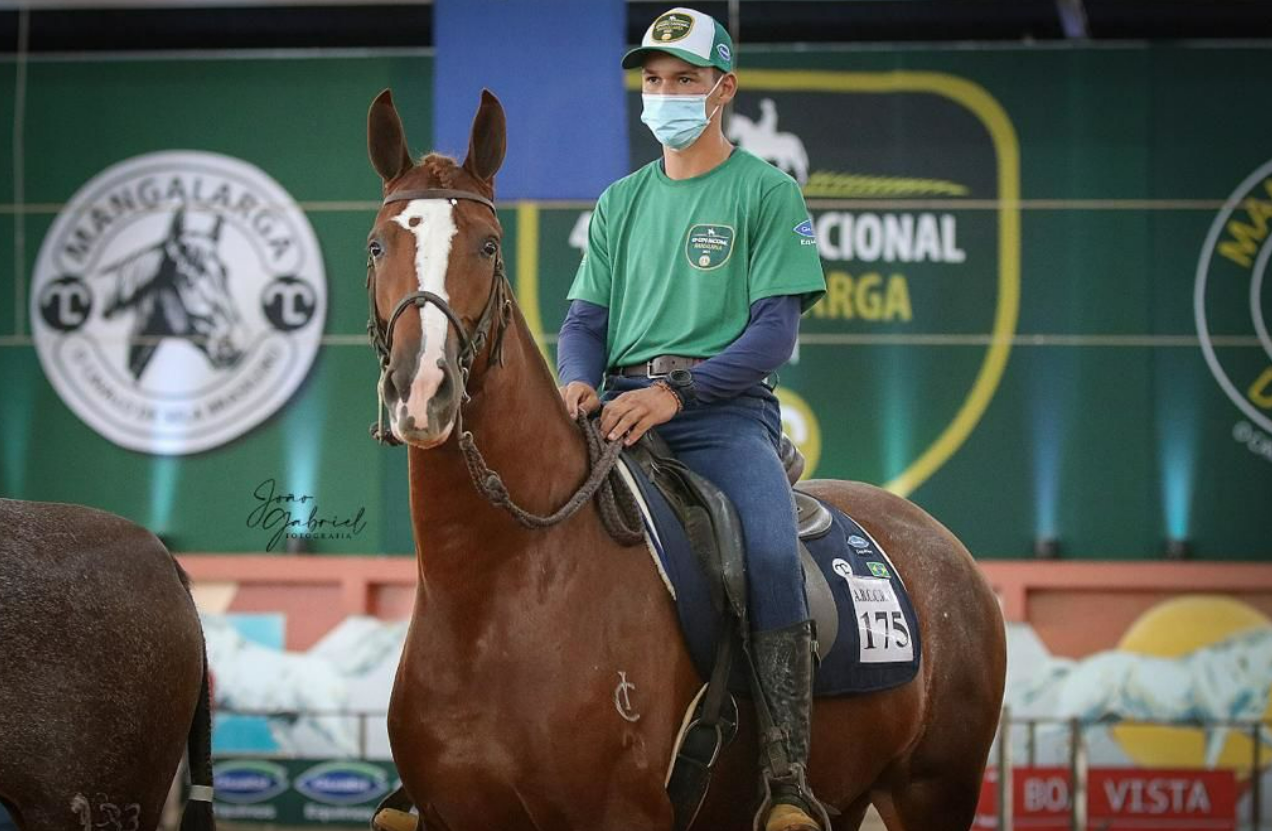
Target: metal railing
(1258, 731)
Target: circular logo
(178, 301)
(724, 52)
(800, 423)
(1230, 299)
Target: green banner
(1046, 309)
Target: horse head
(445, 248)
(201, 282)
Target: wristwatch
(681, 383)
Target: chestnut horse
(103, 680)
(544, 677)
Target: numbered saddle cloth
(878, 645)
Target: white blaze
(432, 224)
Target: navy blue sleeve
(581, 344)
(765, 344)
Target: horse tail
(198, 810)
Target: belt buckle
(649, 370)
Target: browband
(438, 193)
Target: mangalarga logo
(1230, 297)
(178, 301)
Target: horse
(543, 679)
(104, 681)
(782, 150)
(177, 288)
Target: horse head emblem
(178, 288)
(448, 248)
(783, 150)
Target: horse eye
(491, 248)
(375, 248)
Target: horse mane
(441, 168)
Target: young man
(688, 298)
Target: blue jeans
(734, 444)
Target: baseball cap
(690, 35)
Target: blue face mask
(677, 120)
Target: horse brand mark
(106, 815)
(178, 301)
(622, 698)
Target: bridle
(618, 509)
(498, 307)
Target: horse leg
(850, 819)
(943, 803)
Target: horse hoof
(391, 819)
(785, 817)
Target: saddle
(698, 540)
(715, 533)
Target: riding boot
(784, 663)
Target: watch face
(680, 377)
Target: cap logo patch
(671, 27)
(725, 54)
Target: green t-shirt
(678, 263)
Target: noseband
(381, 337)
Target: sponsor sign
(1118, 799)
(301, 791)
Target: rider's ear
(386, 140)
(489, 139)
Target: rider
(688, 298)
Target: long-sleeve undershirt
(764, 345)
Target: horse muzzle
(423, 398)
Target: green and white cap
(690, 35)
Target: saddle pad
(882, 650)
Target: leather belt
(659, 366)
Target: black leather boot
(784, 663)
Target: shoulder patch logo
(709, 246)
(804, 229)
(671, 27)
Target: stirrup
(798, 781)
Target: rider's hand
(579, 396)
(635, 412)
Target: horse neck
(521, 428)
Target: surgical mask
(677, 120)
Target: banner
(300, 791)
(1118, 799)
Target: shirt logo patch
(709, 246)
(804, 229)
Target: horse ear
(178, 224)
(386, 140)
(489, 139)
(216, 228)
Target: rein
(618, 509)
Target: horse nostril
(392, 385)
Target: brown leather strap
(659, 366)
(438, 193)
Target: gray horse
(103, 675)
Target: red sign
(1118, 799)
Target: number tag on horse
(885, 634)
